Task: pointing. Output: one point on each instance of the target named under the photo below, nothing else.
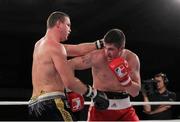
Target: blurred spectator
(160, 93)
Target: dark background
(152, 29)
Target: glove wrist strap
(99, 44)
(91, 93)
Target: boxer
(116, 72)
(51, 73)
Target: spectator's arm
(147, 108)
(161, 108)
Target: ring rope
(88, 103)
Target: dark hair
(115, 36)
(54, 17)
(164, 77)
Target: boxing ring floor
(21, 107)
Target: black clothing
(117, 95)
(50, 106)
(165, 96)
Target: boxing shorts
(50, 106)
(120, 109)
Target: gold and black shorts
(50, 106)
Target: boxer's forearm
(83, 48)
(87, 47)
(133, 89)
(80, 49)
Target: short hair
(164, 77)
(115, 36)
(54, 17)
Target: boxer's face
(65, 28)
(111, 51)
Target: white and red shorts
(118, 110)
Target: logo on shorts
(114, 105)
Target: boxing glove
(120, 69)
(99, 98)
(99, 44)
(75, 100)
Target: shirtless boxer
(51, 73)
(116, 71)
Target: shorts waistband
(46, 96)
(118, 104)
(117, 95)
(51, 94)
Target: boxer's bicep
(62, 67)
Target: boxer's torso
(44, 74)
(103, 78)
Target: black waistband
(117, 95)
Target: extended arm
(66, 73)
(83, 48)
(80, 63)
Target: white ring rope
(13, 103)
(88, 103)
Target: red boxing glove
(75, 100)
(120, 69)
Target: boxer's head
(61, 22)
(114, 43)
(54, 17)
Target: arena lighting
(178, 1)
(175, 2)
